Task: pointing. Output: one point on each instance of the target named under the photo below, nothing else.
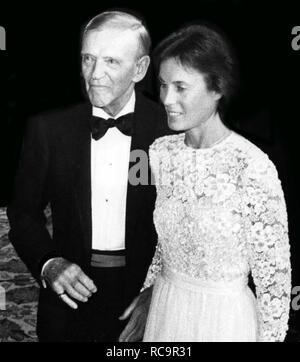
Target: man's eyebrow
(118, 59)
(86, 53)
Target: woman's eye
(180, 88)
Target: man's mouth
(98, 86)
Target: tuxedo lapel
(143, 136)
(82, 174)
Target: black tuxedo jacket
(55, 168)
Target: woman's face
(184, 93)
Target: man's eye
(111, 61)
(87, 59)
(162, 85)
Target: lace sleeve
(269, 249)
(154, 269)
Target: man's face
(109, 67)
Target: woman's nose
(167, 96)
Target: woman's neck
(207, 134)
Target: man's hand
(68, 280)
(138, 310)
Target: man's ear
(141, 68)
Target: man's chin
(96, 102)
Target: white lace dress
(220, 214)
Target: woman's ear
(141, 68)
(217, 96)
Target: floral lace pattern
(220, 214)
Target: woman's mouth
(174, 114)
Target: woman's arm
(269, 249)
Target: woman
(220, 211)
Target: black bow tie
(99, 126)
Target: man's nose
(98, 70)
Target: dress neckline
(205, 149)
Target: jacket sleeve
(28, 232)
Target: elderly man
(78, 160)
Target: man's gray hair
(124, 21)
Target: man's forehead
(110, 38)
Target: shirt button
(106, 200)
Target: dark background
(41, 70)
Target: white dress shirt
(109, 174)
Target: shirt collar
(128, 108)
